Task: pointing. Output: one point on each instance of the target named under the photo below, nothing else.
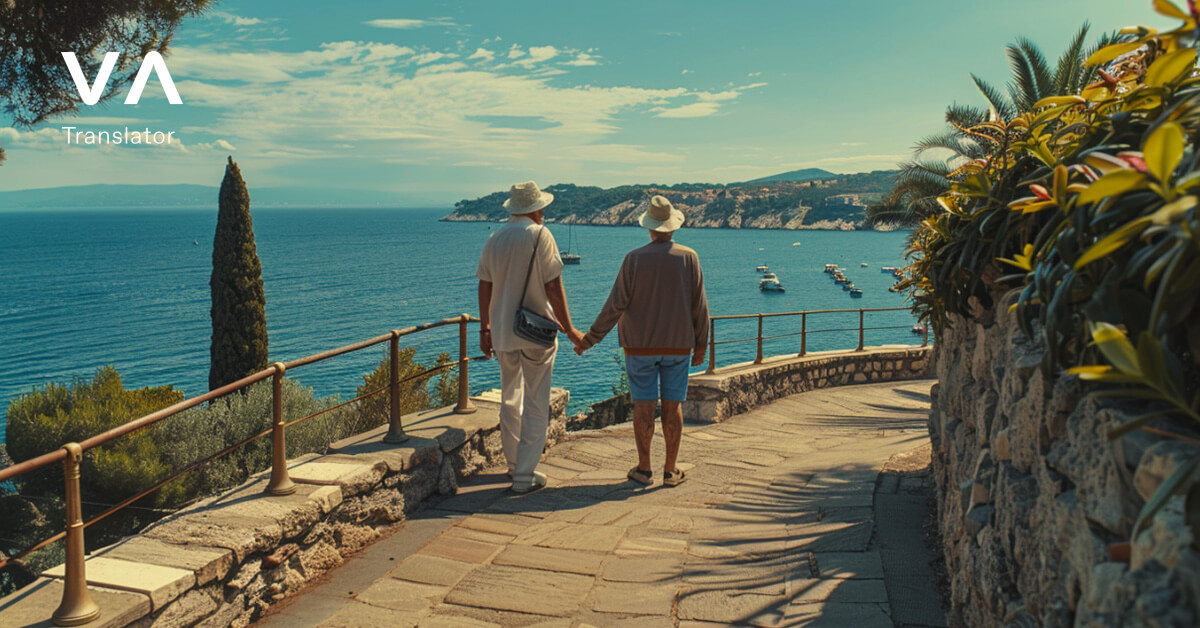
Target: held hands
(578, 340)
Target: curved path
(790, 517)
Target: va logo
(90, 94)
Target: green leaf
(1113, 241)
(1174, 483)
(1167, 8)
(1114, 183)
(1150, 361)
(1171, 66)
(1164, 148)
(1116, 348)
(1136, 423)
(1108, 53)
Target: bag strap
(529, 271)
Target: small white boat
(795, 244)
(770, 284)
(856, 293)
(848, 286)
(763, 268)
(887, 269)
(195, 243)
(918, 328)
(864, 264)
(831, 268)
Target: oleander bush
(1083, 195)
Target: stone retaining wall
(224, 560)
(714, 397)
(1035, 500)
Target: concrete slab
(522, 590)
(550, 559)
(462, 550)
(635, 598)
(572, 536)
(160, 584)
(427, 569)
(861, 565)
(644, 569)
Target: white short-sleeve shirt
(504, 262)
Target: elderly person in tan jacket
(659, 305)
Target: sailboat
(567, 256)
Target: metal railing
(803, 333)
(77, 606)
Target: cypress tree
(239, 318)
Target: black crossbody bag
(528, 324)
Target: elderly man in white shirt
(522, 260)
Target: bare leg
(672, 426)
(643, 431)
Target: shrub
(46, 419)
(414, 388)
(1091, 196)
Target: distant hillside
(181, 195)
(838, 202)
(799, 176)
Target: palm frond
(952, 140)
(996, 99)
(1068, 72)
(965, 116)
(1023, 89)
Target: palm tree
(975, 133)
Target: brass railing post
(280, 483)
(712, 346)
(860, 330)
(77, 607)
(464, 400)
(395, 433)
(803, 333)
(925, 333)
(758, 356)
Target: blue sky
(438, 101)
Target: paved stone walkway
(785, 520)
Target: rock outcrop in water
(837, 203)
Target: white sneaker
(539, 481)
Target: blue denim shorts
(653, 377)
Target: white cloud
(538, 54)
(430, 57)
(408, 23)
(236, 20)
(852, 144)
(482, 54)
(583, 59)
(694, 110)
(686, 71)
(754, 74)
(515, 52)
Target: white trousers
(524, 408)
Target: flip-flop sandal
(674, 478)
(641, 477)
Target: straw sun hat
(661, 216)
(526, 198)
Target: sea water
(80, 290)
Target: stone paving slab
(522, 590)
(31, 607)
(206, 563)
(160, 584)
(776, 526)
